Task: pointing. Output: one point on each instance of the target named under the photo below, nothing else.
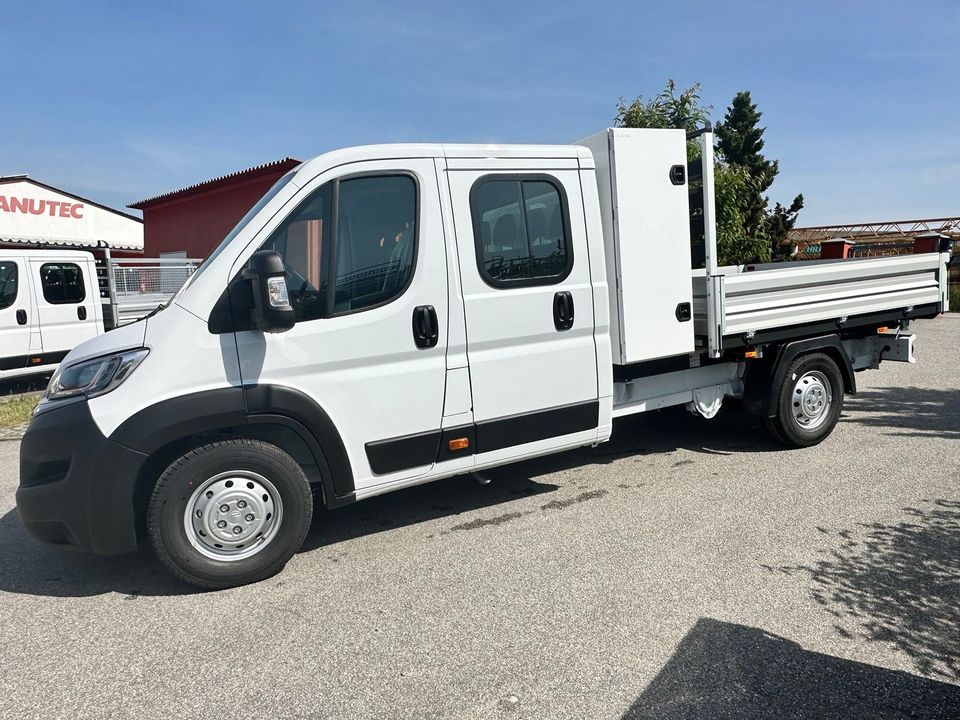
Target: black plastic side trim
(18, 362)
(279, 400)
(522, 429)
(170, 420)
(177, 418)
(409, 451)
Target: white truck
(49, 304)
(390, 315)
(53, 300)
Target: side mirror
(271, 311)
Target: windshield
(251, 213)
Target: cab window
(372, 260)
(62, 283)
(521, 230)
(8, 284)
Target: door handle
(563, 310)
(426, 329)
(21, 317)
(81, 313)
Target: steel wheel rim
(233, 515)
(811, 400)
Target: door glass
(519, 230)
(8, 284)
(62, 283)
(301, 240)
(376, 240)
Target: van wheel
(229, 513)
(809, 400)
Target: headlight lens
(94, 377)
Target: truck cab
(390, 315)
(49, 304)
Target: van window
(376, 240)
(8, 284)
(62, 283)
(521, 230)
(301, 241)
(374, 254)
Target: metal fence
(135, 286)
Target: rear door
(66, 297)
(528, 301)
(15, 314)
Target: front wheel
(809, 399)
(229, 513)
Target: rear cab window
(521, 230)
(62, 283)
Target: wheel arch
(830, 345)
(281, 416)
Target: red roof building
(191, 222)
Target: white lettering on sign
(32, 206)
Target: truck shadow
(28, 567)
(907, 410)
(723, 670)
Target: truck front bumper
(77, 486)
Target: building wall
(196, 223)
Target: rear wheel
(229, 513)
(809, 399)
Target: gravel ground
(684, 570)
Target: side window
(376, 240)
(374, 252)
(302, 240)
(62, 283)
(521, 230)
(8, 284)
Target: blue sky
(120, 101)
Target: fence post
(111, 289)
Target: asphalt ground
(684, 570)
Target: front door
(528, 300)
(15, 314)
(364, 251)
(66, 299)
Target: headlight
(94, 377)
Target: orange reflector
(35, 361)
(750, 354)
(882, 329)
(459, 443)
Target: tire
(808, 401)
(229, 513)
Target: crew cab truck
(49, 304)
(390, 315)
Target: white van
(391, 315)
(49, 304)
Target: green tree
(740, 141)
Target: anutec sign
(32, 213)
